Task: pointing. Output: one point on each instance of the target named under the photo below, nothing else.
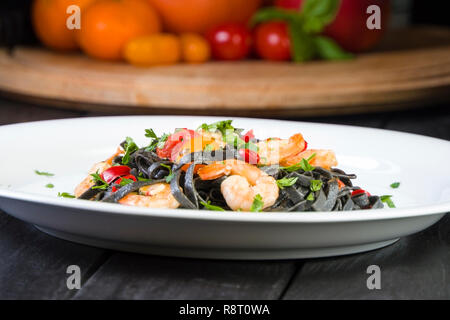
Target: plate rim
(266, 217)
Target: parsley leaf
(286, 182)
(303, 164)
(50, 186)
(209, 206)
(395, 185)
(149, 133)
(310, 196)
(41, 173)
(65, 195)
(125, 181)
(101, 184)
(221, 126)
(171, 174)
(315, 185)
(257, 204)
(387, 199)
(130, 147)
(162, 141)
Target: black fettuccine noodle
(190, 191)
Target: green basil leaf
(273, 13)
(317, 14)
(328, 49)
(303, 47)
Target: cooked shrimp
(154, 196)
(100, 168)
(244, 183)
(273, 151)
(323, 158)
(88, 182)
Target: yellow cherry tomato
(152, 50)
(194, 48)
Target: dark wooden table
(33, 264)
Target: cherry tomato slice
(113, 173)
(174, 143)
(249, 156)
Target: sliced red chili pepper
(113, 173)
(360, 191)
(306, 146)
(249, 156)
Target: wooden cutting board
(411, 68)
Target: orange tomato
(200, 15)
(107, 25)
(194, 48)
(156, 49)
(49, 19)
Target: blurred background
(177, 60)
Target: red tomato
(174, 143)
(272, 41)
(249, 136)
(230, 41)
(349, 28)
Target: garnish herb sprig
(209, 206)
(258, 204)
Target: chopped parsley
(171, 174)
(125, 181)
(303, 164)
(315, 185)
(155, 142)
(65, 195)
(209, 206)
(395, 185)
(41, 173)
(387, 199)
(286, 182)
(221, 126)
(100, 183)
(130, 147)
(49, 185)
(310, 196)
(257, 204)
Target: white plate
(68, 148)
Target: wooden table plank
(416, 267)
(33, 264)
(132, 276)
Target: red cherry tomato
(249, 136)
(174, 143)
(230, 41)
(249, 156)
(360, 191)
(349, 28)
(130, 176)
(272, 41)
(113, 173)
